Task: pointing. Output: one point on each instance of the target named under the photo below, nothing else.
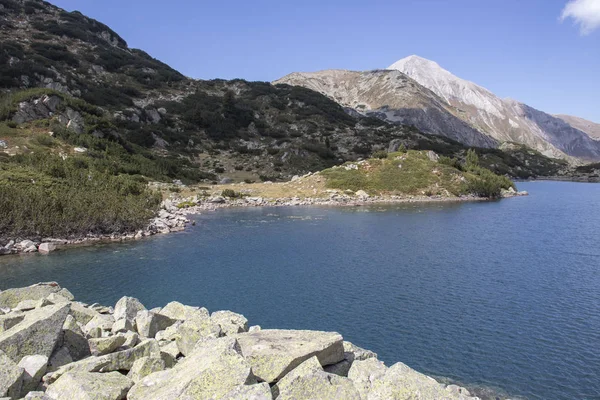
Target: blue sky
(515, 48)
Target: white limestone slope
(503, 119)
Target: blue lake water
(499, 294)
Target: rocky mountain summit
(418, 92)
(393, 97)
(503, 119)
(53, 348)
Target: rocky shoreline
(171, 217)
(53, 347)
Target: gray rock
(131, 340)
(170, 333)
(273, 353)
(36, 396)
(25, 244)
(46, 248)
(122, 325)
(11, 377)
(102, 321)
(309, 381)
(82, 314)
(259, 391)
(149, 323)
(432, 155)
(56, 298)
(34, 369)
(119, 361)
(11, 297)
(152, 116)
(210, 372)
(363, 372)
(90, 386)
(401, 382)
(193, 330)
(10, 320)
(217, 199)
(27, 305)
(127, 308)
(144, 367)
(102, 346)
(38, 333)
(230, 322)
(176, 310)
(59, 358)
(170, 348)
(74, 339)
(362, 195)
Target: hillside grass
(413, 173)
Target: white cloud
(586, 13)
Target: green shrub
(186, 204)
(472, 160)
(232, 194)
(381, 154)
(60, 200)
(484, 183)
(451, 162)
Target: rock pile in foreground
(52, 347)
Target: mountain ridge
(503, 119)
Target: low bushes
(66, 201)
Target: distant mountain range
(415, 91)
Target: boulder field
(53, 347)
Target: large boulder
(198, 327)
(11, 297)
(11, 377)
(351, 353)
(144, 367)
(403, 383)
(74, 340)
(230, 322)
(34, 369)
(38, 333)
(119, 361)
(102, 321)
(90, 386)
(82, 314)
(47, 248)
(149, 323)
(364, 372)
(127, 308)
(106, 345)
(210, 372)
(309, 381)
(273, 353)
(176, 310)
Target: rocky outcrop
(193, 355)
(273, 353)
(37, 334)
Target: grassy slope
(413, 173)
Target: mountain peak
(414, 60)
